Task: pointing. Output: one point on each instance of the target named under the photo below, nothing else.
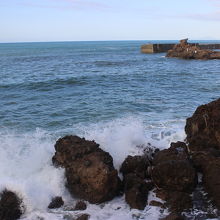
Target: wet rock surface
(10, 206)
(185, 50)
(134, 170)
(56, 202)
(80, 205)
(173, 170)
(203, 136)
(89, 170)
(203, 128)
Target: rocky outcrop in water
(173, 170)
(56, 202)
(89, 170)
(185, 50)
(135, 175)
(203, 137)
(10, 206)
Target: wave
(26, 167)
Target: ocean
(104, 91)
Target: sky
(92, 20)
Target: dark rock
(157, 204)
(136, 191)
(89, 170)
(177, 151)
(135, 164)
(80, 205)
(176, 201)
(10, 206)
(203, 128)
(56, 202)
(185, 50)
(173, 170)
(203, 136)
(83, 217)
(173, 216)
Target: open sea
(105, 91)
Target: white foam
(26, 167)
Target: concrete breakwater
(163, 48)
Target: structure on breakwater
(163, 48)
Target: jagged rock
(89, 170)
(203, 128)
(173, 170)
(10, 206)
(56, 202)
(80, 205)
(203, 136)
(135, 164)
(185, 50)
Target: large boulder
(10, 206)
(173, 170)
(203, 136)
(185, 50)
(89, 170)
(134, 170)
(203, 128)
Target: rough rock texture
(10, 206)
(89, 170)
(173, 170)
(185, 50)
(174, 200)
(80, 205)
(56, 202)
(203, 128)
(203, 136)
(134, 170)
(135, 164)
(136, 191)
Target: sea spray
(26, 167)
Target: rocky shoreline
(183, 177)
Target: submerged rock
(89, 170)
(10, 206)
(185, 50)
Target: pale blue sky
(70, 20)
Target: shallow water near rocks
(106, 91)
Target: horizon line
(65, 41)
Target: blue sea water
(107, 91)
